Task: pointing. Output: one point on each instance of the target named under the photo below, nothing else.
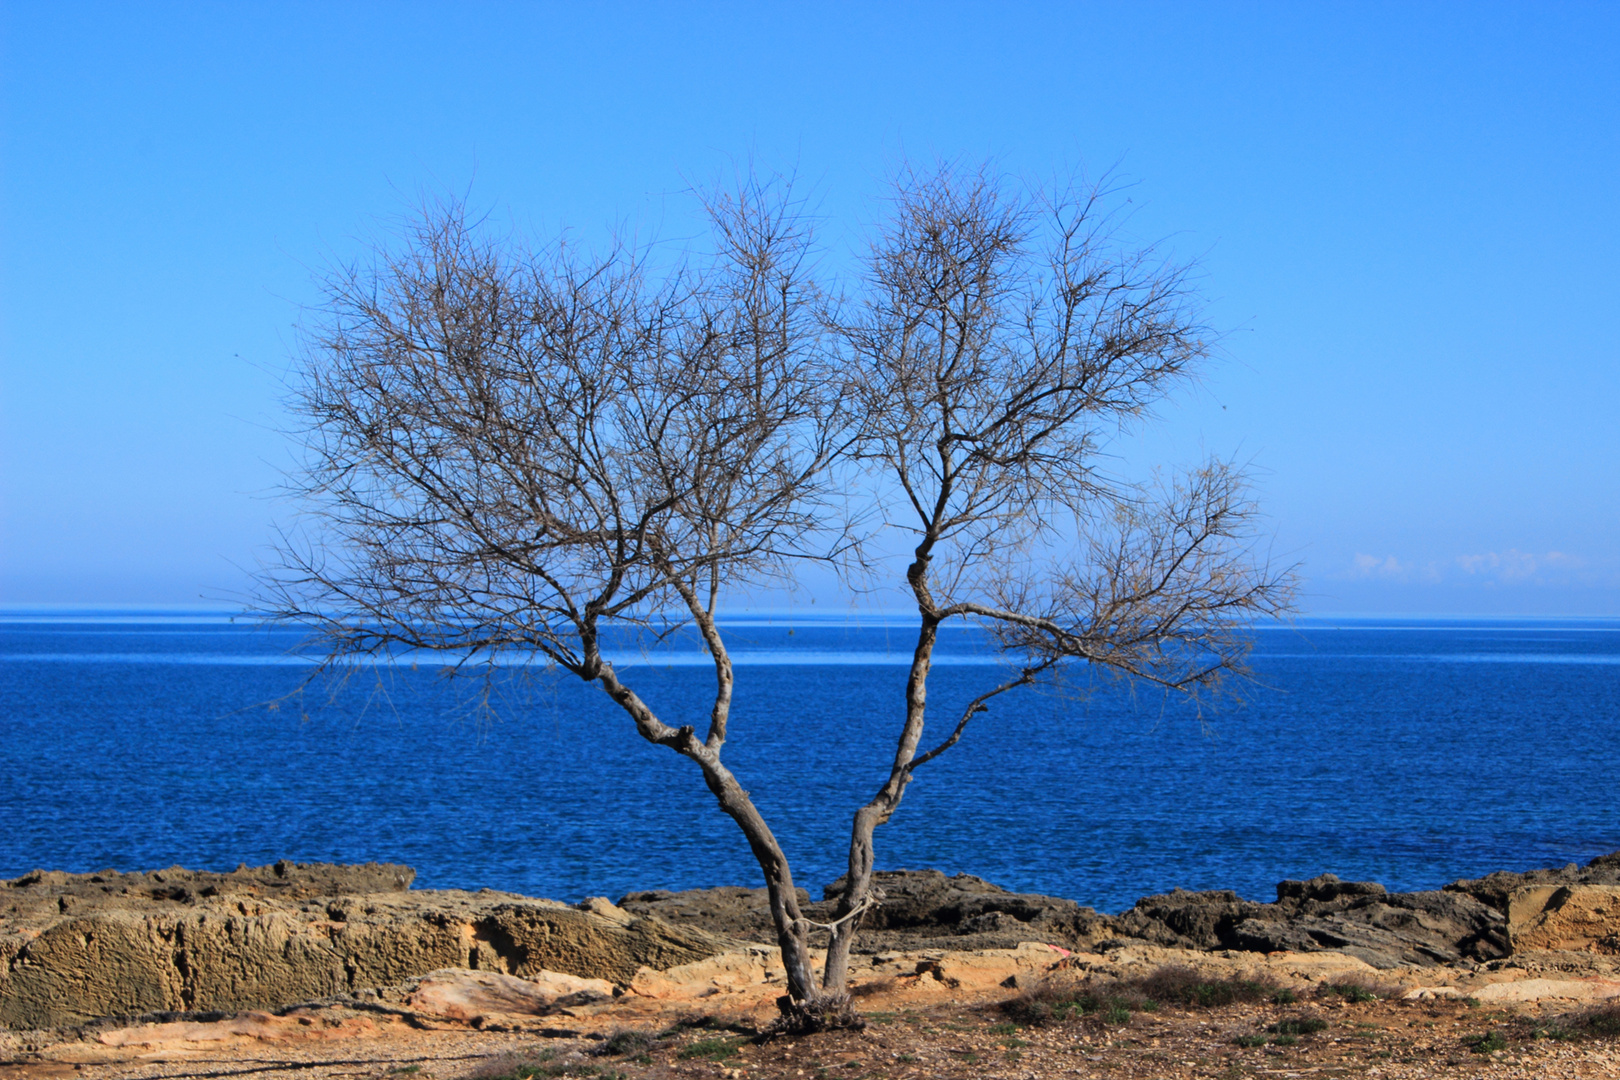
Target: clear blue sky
(1408, 217)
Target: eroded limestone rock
(1583, 918)
(250, 945)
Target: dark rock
(284, 880)
(1357, 917)
(1192, 920)
(1271, 935)
(727, 910)
(1325, 889)
(912, 899)
(1418, 929)
(919, 909)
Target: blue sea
(1407, 752)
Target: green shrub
(1176, 984)
(1051, 1002)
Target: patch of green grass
(1298, 1025)
(1285, 1040)
(716, 1049)
(1284, 996)
(1489, 1043)
(1250, 1041)
(1003, 1029)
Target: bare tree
(510, 451)
(998, 341)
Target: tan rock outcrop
(459, 994)
(133, 951)
(1582, 918)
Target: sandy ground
(936, 1015)
(1383, 1039)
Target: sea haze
(1406, 752)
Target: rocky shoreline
(318, 972)
(1478, 920)
(77, 947)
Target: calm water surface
(1405, 752)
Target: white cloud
(1514, 565)
(1371, 566)
(1507, 567)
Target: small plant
(1115, 1013)
(624, 1041)
(1300, 1025)
(1598, 1022)
(1359, 990)
(1285, 1040)
(1284, 996)
(716, 1049)
(1489, 1043)
(1003, 1029)
(535, 1066)
(1250, 1041)
(1177, 984)
(1604, 1020)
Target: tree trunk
(792, 928)
(858, 881)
